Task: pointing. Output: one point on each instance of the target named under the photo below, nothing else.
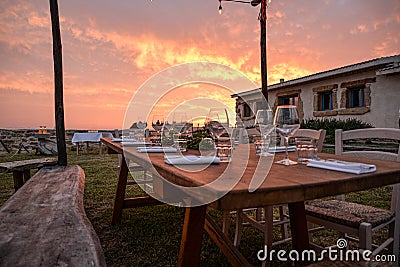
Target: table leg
(100, 148)
(298, 226)
(192, 236)
(27, 175)
(18, 177)
(77, 149)
(120, 193)
(87, 147)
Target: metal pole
(58, 84)
(263, 47)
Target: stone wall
(13, 138)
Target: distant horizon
(110, 49)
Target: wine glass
(179, 120)
(136, 131)
(183, 125)
(286, 122)
(141, 124)
(217, 122)
(264, 123)
(180, 135)
(157, 123)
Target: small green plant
(330, 125)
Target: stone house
(369, 91)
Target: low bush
(330, 125)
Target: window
(356, 97)
(325, 100)
(259, 105)
(246, 111)
(289, 100)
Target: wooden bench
(44, 223)
(22, 169)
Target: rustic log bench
(44, 223)
(22, 169)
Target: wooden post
(263, 48)
(58, 84)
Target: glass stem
(286, 147)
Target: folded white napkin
(343, 166)
(157, 149)
(279, 149)
(123, 139)
(134, 143)
(190, 160)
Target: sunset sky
(110, 48)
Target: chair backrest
(379, 133)
(318, 135)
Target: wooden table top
(283, 184)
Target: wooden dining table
(282, 184)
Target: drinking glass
(217, 122)
(286, 122)
(264, 124)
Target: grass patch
(150, 236)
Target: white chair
(355, 221)
(263, 219)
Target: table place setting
(342, 166)
(190, 160)
(157, 149)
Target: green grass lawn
(150, 236)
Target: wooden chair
(318, 135)
(358, 222)
(266, 224)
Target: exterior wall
(382, 98)
(385, 102)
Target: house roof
(385, 64)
